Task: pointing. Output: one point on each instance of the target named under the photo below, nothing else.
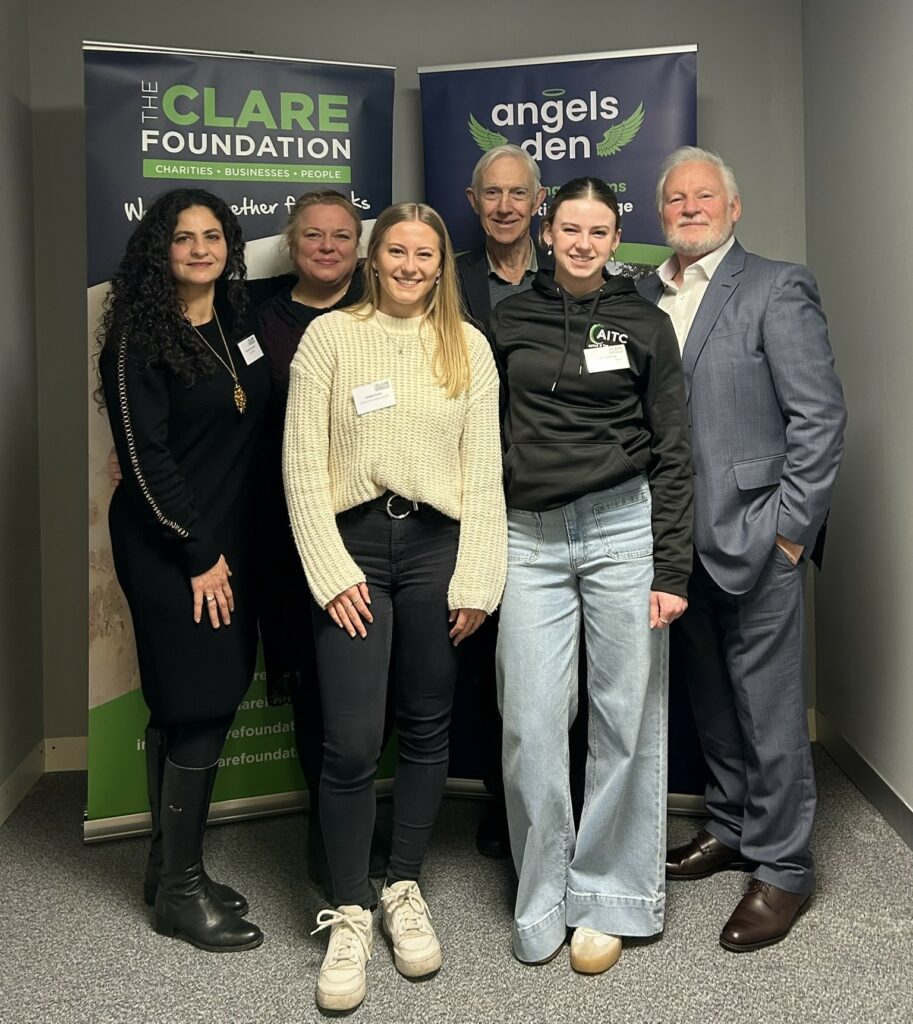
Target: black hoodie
(594, 396)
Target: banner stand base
(126, 825)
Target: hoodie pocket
(549, 474)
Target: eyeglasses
(519, 194)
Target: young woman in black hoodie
(597, 472)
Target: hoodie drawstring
(567, 341)
(567, 335)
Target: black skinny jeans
(408, 564)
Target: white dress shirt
(682, 303)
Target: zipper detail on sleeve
(131, 444)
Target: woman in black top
(322, 235)
(186, 390)
(598, 478)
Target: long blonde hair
(450, 362)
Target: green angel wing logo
(484, 137)
(619, 135)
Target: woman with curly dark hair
(186, 390)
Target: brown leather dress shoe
(703, 856)
(764, 915)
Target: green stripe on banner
(209, 171)
(259, 756)
(639, 252)
(117, 766)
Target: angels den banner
(611, 115)
(258, 131)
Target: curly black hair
(143, 304)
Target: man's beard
(699, 246)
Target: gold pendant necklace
(239, 395)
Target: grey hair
(690, 154)
(489, 157)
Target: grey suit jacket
(766, 410)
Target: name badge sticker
(250, 349)
(371, 397)
(607, 357)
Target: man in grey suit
(767, 418)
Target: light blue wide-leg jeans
(590, 559)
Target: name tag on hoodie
(606, 357)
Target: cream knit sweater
(441, 451)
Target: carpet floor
(80, 946)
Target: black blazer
(472, 271)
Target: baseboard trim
(685, 803)
(66, 754)
(472, 789)
(892, 807)
(24, 776)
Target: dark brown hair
(583, 188)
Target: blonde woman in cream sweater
(392, 466)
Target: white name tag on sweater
(250, 349)
(370, 397)
(608, 357)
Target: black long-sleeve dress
(189, 463)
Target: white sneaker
(407, 921)
(593, 952)
(341, 982)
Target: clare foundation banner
(613, 116)
(258, 131)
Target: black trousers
(408, 564)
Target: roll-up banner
(259, 131)
(614, 116)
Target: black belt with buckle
(396, 506)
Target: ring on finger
(210, 598)
(665, 622)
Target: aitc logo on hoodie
(601, 335)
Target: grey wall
(750, 107)
(20, 563)
(859, 151)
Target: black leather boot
(156, 750)
(184, 904)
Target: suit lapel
(720, 290)
(651, 288)
(477, 294)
